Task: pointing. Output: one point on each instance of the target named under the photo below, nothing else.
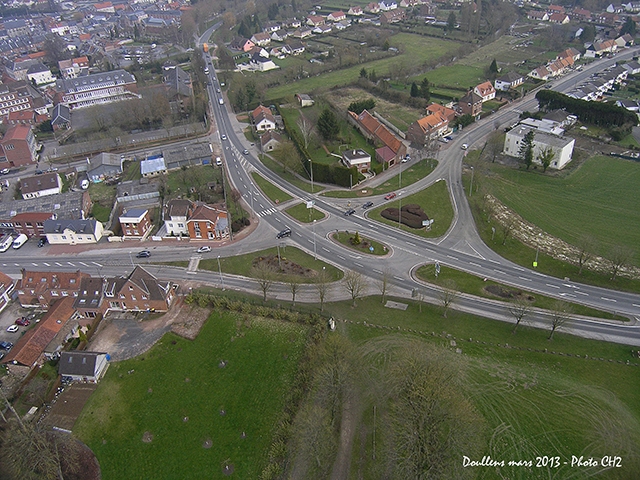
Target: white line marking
(341, 257)
(499, 271)
(398, 278)
(412, 244)
(525, 278)
(96, 263)
(539, 274)
(586, 294)
(326, 249)
(82, 263)
(609, 299)
(34, 264)
(552, 286)
(451, 256)
(71, 264)
(475, 264)
(358, 264)
(372, 226)
(377, 271)
(519, 269)
(58, 264)
(635, 305)
(46, 264)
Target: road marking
(567, 285)
(341, 257)
(525, 278)
(277, 219)
(356, 263)
(609, 299)
(519, 268)
(82, 263)
(585, 294)
(377, 271)
(58, 264)
(97, 264)
(269, 211)
(398, 278)
(298, 234)
(635, 305)
(552, 286)
(451, 256)
(539, 274)
(309, 240)
(499, 271)
(372, 226)
(326, 249)
(34, 264)
(412, 244)
(475, 264)
(563, 294)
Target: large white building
(561, 146)
(72, 232)
(96, 89)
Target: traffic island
(358, 243)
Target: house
(67, 205)
(269, 141)
(261, 39)
(296, 47)
(83, 366)
(508, 81)
(625, 40)
(74, 67)
(538, 16)
(486, 91)
(322, 29)
(315, 20)
(302, 32)
(631, 105)
(569, 53)
(104, 165)
(262, 64)
(152, 166)
(40, 185)
(95, 88)
(241, 44)
(24, 117)
(280, 36)
(561, 146)
(6, 289)
(559, 18)
(357, 158)
(470, 104)
(632, 67)
(18, 147)
(336, 16)
(372, 7)
(42, 289)
(72, 232)
(89, 300)
(304, 100)
(355, 11)
(60, 117)
(425, 129)
(139, 291)
(597, 49)
(581, 14)
(39, 74)
(540, 73)
(176, 213)
(387, 5)
(208, 223)
(30, 349)
(393, 16)
(30, 223)
(177, 82)
(448, 113)
(135, 223)
(392, 149)
(262, 119)
(555, 9)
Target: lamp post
(471, 184)
(400, 199)
(311, 166)
(315, 255)
(131, 259)
(220, 271)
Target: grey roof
(38, 183)
(104, 165)
(94, 81)
(540, 137)
(509, 77)
(152, 165)
(60, 115)
(355, 154)
(38, 67)
(63, 205)
(77, 226)
(78, 363)
(177, 81)
(90, 293)
(178, 207)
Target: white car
(204, 249)
(12, 328)
(464, 146)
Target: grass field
(286, 175)
(344, 238)
(303, 214)
(269, 189)
(598, 198)
(435, 202)
(177, 391)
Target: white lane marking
(519, 269)
(326, 249)
(609, 299)
(373, 226)
(309, 240)
(298, 234)
(412, 244)
(552, 286)
(84, 264)
(452, 257)
(46, 264)
(398, 278)
(582, 293)
(563, 294)
(539, 274)
(475, 264)
(377, 271)
(635, 305)
(499, 271)
(525, 278)
(277, 219)
(358, 264)
(97, 264)
(58, 264)
(341, 257)
(71, 264)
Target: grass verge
(270, 190)
(276, 168)
(303, 214)
(344, 238)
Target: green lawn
(241, 264)
(410, 175)
(460, 76)
(269, 189)
(599, 198)
(303, 214)
(180, 182)
(286, 175)
(176, 392)
(344, 238)
(435, 202)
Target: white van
(21, 240)
(221, 101)
(6, 242)
(218, 161)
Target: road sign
(310, 203)
(535, 264)
(371, 248)
(437, 268)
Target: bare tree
(294, 286)
(383, 284)
(519, 309)
(494, 145)
(265, 274)
(355, 284)
(322, 285)
(420, 296)
(507, 228)
(560, 313)
(287, 154)
(306, 129)
(587, 246)
(447, 294)
(619, 256)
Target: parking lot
(9, 316)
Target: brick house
(31, 223)
(208, 223)
(392, 149)
(357, 158)
(18, 147)
(139, 291)
(41, 289)
(263, 119)
(89, 302)
(135, 223)
(470, 104)
(427, 128)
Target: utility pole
(311, 163)
(471, 184)
(220, 271)
(315, 255)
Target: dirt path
(350, 416)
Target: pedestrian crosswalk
(266, 212)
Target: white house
(262, 64)
(357, 158)
(562, 146)
(261, 39)
(177, 212)
(486, 91)
(39, 74)
(508, 81)
(72, 232)
(40, 185)
(83, 366)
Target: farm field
(597, 198)
(174, 412)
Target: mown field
(197, 417)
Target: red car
(23, 322)
(389, 196)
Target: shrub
(412, 215)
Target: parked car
(12, 328)
(245, 152)
(389, 196)
(23, 322)
(4, 171)
(351, 211)
(204, 249)
(39, 172)
(42, 242)
(6, 345)
(448, 138)
(464, 146)
(284, 233)
(367, 205)
(223, 136)
(2, 354)
(143, 254)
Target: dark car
(284, 233)
(6, 345)
(23, 322)
(351, 211)
(143, 254)
(42, 242)
(39, 172)
(367, 205)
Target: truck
(20, 240)
(205, 47)
(6, 242)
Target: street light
(311, 163)
(315, 256)
(471, 184)
(400, 199)
(220, 271)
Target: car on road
(39, 172)
(6, 345)
(22, 321)
(223, 136)
(464, 146)
(245, 152)
(389, 196)
(42, 242)
(351, 211)
(204, 249)
(4, 171)
(143, 254)
(284, 233)
(2, 354)
(367, 205)
(12, 328)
